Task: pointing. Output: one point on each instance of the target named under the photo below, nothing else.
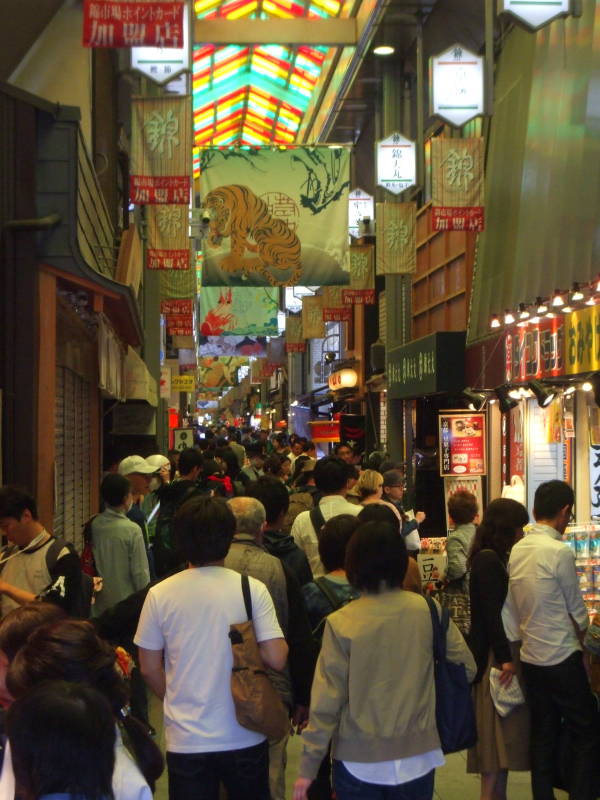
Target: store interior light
(515, 394)
(576, 295)
(587, 386)
(384, 50)
(494, 322)
(476, 400)
(543, 394)
(557, 299)
(570, 390)
(509, 317)
(506, 402)
(591, 301)
(541, 306)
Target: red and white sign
(168, 259)
(458, 219)
(175, 306)
(130, 23)
(358, 297)
(295, 347)
(337, 314)
(180, 324)
(536, 351)
(462, 443)
(170, 189)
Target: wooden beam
(46, 397)
(329, 32)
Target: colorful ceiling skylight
(255, 94)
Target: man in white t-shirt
(186, 659)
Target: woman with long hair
(71, 651)
(503, 742)
(373, 694)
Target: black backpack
(164, 549)
(82, 600)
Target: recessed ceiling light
(384, 50)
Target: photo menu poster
(462, 443)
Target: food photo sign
(462, 443)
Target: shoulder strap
(317, 519)
(247, 596)
(332, 598)
(52, 553)
(440, 627)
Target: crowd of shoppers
(321, 556)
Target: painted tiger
(235, 211)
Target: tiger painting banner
(131, 23)
(334, 309)
(362, 278)
(161, 150)
(294, 343)
(457, 177)
(396, 238)
(313, 326)
(168, 241)
(235, 311)
(275, 217)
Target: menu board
(462, 443)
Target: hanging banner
(276, 351)
(582, 341)
(177, 284)
(352, 431)
(161, 64)
(183, 383)
(131, 23)
(173, 306)
(218, 372)
(462, 443)
(396, 163)
(456, 85)
(233, 346)
(238, 311)
(396, 238)
(535, 13)
(313, 326)
(276, 217)
(360, 206)
(262, 369)
(294, 343)
(457, 184)
(362, 279)
(334, 309)
(180, 324)
(165, 382)
(161, 151)
(168, 240)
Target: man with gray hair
(248, 557)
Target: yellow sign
(582, 341)
(183, 383)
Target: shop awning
(139, 383)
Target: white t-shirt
(188, 616)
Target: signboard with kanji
(396, 163)
(456, 90)
(535, 13)
(131, 23)
(462, 443)
(162, 64)
(360, 205)
(582, 341)
(183, 383)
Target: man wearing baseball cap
(140, 472)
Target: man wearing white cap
(139, 471)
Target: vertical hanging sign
(168, 242)
(313, 326)
(362, 278)
(162, 64)
(161, 150)
(131, 23)
(334, 309)
(396, 238)
(360, 205)
(456, 85)
(396, 163)
(536, 13)
(294, 343)
(457, 184)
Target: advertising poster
(462, 443)
(239, 312)
(275, 217)
(233, 346)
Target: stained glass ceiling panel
(255, 94)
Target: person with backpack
(171, 497)
(332, 480)
(35, 565)
(118, 545)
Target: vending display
(584, 540)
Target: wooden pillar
(45, 397)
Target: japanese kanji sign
(161, 151)
(180, 324)
(582, 341)
(396, 163)
(173, 306)
(535, 12)
(294, 343)
(456, 90)
(457, 184)
(168, 241)
(163, 64)
(396, 238)
(262, 369)
(334, 309)
(462, 443)
(362, 279)
(360, 205)
(131, 23)
(313, 326)
(183, 383)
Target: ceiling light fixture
(557, 299)
(591, 301)
(384, 50)
(509, 317)
(570, 390)
(523, 312)
(587, 386)
(476, 400)
(543, 394)
(494, 322)
(567, 309)
(505, 402)
(541, 305)
(576, 294)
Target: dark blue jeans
(347, 787)
(196, 776)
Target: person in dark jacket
(503, 742)
(275, 498)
